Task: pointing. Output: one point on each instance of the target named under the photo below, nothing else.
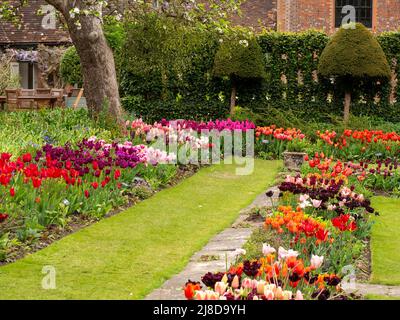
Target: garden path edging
(218, 253)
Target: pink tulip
(235, 282)
(220, 287)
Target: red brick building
(325, 15)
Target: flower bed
(325, 224)
(45, 189)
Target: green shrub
(70, 68)
(239, 57)
(354, 52)
(353, 56)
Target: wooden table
(41, 99)
(3, 100)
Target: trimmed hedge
(167, 72)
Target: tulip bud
(235, 282)
(279, 293)
(269, 295)
(287, 295)
(260, 287)
(299, 295)
(220, 287)
(316, 261)
(224, 278)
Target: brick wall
(258, 14)
(387, 16)
(300, 15)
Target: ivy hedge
(292, 84)
(166, 71)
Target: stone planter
(293, 160)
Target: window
(363, 11)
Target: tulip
(247, 283)
(287, 295)
(12, 192)
(316, 261)
(279, 293)
(284, 254)
(267, 249)
(235, 282)
(261, 287)
(299, 295)
(211, 295)
(269, 294)
(316, 203)
(220, 287)
(199, 295)
(225, 278)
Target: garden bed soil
(79, 221)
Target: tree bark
(233, 98)
(97, 60)
(347, 102)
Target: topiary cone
(352, 55)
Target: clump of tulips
(272, 141)
(356, 144)
(46, 186)
(277, 275)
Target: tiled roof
(31, 31)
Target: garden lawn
(130, 254)
(385, 242)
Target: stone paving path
(215, 256)
(376, 289)
(219, 253)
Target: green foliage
(354, 52)
(23, 131)
(168, 70)
(70, 68)
(239, 56)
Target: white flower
(267, 249)
(299, 295)
(316, 261)
(66, 202)
(284, 254)
(305, 204)
(304, 197)
(316, 203)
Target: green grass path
(130, 254)
(385, 244)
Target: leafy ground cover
(385, 242)
(127, 255)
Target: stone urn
(293, 160)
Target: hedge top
(354, 53)
(239, 57)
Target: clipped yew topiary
(353, 55)
(239, 57)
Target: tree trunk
(97, 60)
(347, 102)
(233, 98)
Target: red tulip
(87, 194)
(95, 185)
(3, 217)
(117, 174)
(36, 183)
(27, 157)
(12, 192)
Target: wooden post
(78, 98)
